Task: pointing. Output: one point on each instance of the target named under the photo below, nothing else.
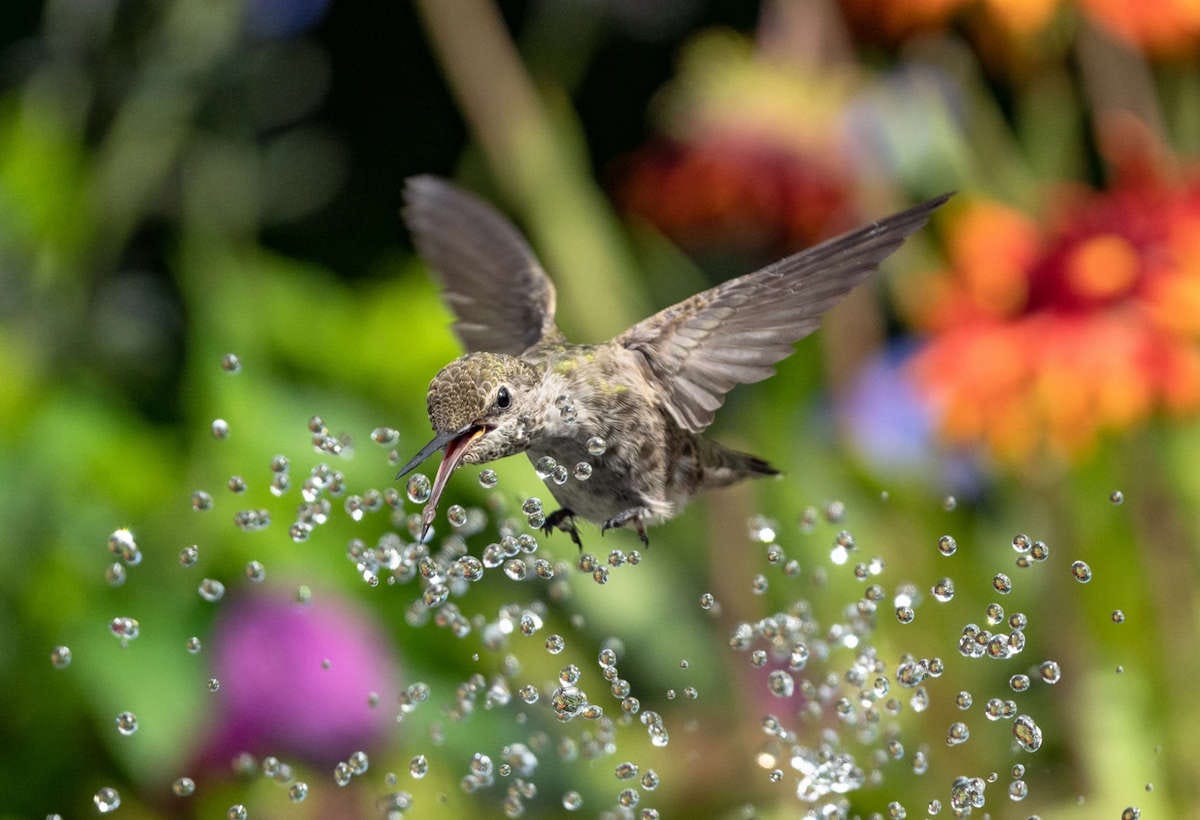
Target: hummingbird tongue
(456, 447)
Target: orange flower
(1045, 337)
(1168, 28)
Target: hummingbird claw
(557, 518)
(634, 515)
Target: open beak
(456, 445)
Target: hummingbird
(632, 411)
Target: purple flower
(296, 680)
(890, 426)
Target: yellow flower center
(1103, 266)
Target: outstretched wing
(734, 333)
(502, 299)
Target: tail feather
(723, 466)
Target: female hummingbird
(633, 408)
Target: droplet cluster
(840, 708)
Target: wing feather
(698, 349)
(502, 299)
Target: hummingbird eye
(503, 400)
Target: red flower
(1044, 336)
(735, 191)
(752, 157)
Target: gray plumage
(648, 393)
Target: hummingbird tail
(723, 466)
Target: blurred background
(181, 180)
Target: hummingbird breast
(599, 393)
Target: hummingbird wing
(502, 299)
(698, 349)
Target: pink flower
(296, 680)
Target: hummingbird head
(480, 406)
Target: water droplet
(1117, 497)
(220, 429)
(358, 763)
(516, 569)
(568, 702)
(418, 767)
(193, 645)
(947, 545)
(781, 684)
(418, 488)
(905, 614)
(255, 572)
(60, 657)
(127, 723)
(572, 801)
(237, 812)
(949, 503)
(707, 601)
(230, 363)
(544, 466)
(342, 773)
(456, 514)
(385, 436)
(124, 629)
(1002, 583)
(298, 791)
(1118, 617)
(488, 478)
(957, 733)
(213, 685)
(582, 471)
(1050, 671)
(1019, 683)
(211, 590)
(1027, 733)
(107, 800)
(943, 590)
(1081, 572)
(183, 787)
(555, 644)
(201, 501)
(188, 556)
(114, 574)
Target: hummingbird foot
(564, 520)
(633, 516)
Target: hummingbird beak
(439, 441)
(456, 445)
